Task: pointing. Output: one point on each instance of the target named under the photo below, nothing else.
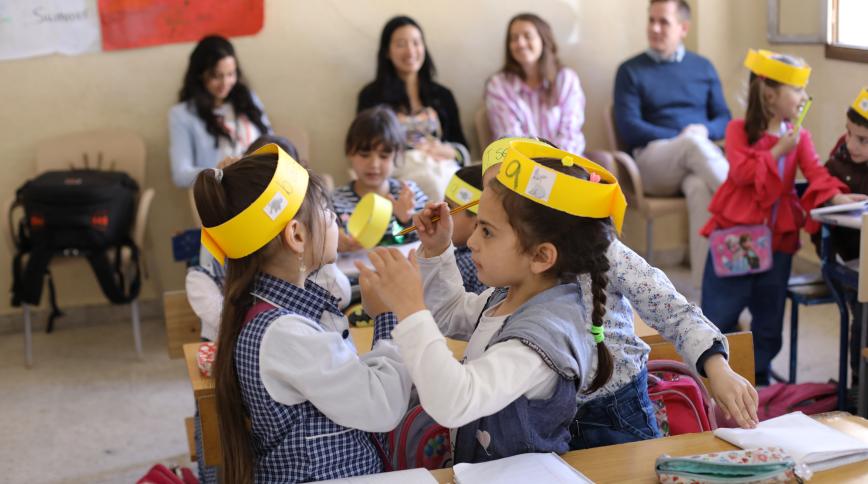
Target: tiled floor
(90, 412)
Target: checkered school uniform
(295, 443)
(468, 271)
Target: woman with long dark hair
(405, 82)
(217, 116)
(533, 94)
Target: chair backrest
(628, 177)
(740, 352)
(105, 149)
(611, 131)
(483, 129)
(182, 324)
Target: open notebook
(807, 441)
(520, 469)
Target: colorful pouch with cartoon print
(741, 250)
(762, 465)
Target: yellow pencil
(803, 113)
(451, 212)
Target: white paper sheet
(412, 476)
(520, 469)
(30, 28)
(807, 441)
(346, 261)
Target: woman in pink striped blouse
(533, 94)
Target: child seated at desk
(295, 402)
(465, 187)
(848, 162)
(374, 143)
(537, 340)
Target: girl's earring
(302, 268)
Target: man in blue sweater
(668, 108)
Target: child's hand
(396, 279)
(734, 394)
(786, 144)
(403, 206)
(435, 236)
(371, 302)
(346, 243)
(843, 198)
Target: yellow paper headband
(762, 63)
(860, 105)
(582, 198)
(462, 193)
(496, 151)
(260, 222)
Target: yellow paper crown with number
(496, 151)
(582, 198)
(462, 193)
(266, 217)
(763, 63)
(860, 105)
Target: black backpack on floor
(75, 212)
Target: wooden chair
(483, 129)
(628, 175)
(182, 324)
(104, 149)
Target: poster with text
(30, 28)
(128, 24)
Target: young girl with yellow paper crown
(295, 402)
(635, 285)
(538, 340)
(764, 151)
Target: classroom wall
(307, 64)
(310, 60)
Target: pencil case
(762, 465)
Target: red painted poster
(127, 24)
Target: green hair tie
(599, 334)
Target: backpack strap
(258, 308)
(111, 279)
(681, 368)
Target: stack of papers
(807, 441)
(520, 469)
(412, 476)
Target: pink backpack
(160, 474)
(808, 398)
(681, 402)
(418, 441)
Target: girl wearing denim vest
(295, 402)
(620, 411)
(535, 343)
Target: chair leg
(794, 338)
(28, 336)
(649, 240)
(862, 407)
(137, 326)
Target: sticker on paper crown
(275, 206)
(370, 219)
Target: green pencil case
(763, 465)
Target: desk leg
(841, 300)
(863, 366)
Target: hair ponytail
(599, 281)
(581, 243)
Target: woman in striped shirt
(533, 94)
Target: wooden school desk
(634, 462)
(840, 277)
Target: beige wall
(309, 62)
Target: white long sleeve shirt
(489, 380)
(300, 360)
